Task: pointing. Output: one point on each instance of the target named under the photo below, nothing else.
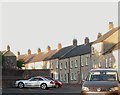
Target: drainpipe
(69, 70)
(58, 70)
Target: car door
(41, 81)
(34, 82)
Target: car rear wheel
(56, 86)
(20, 85)
(43, 86)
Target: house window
(72, 76)
(82, 62)
(106, 62)
(51, 66)
(76, 63)
(100, 64)
(65, 77)
(75, 76)
(65, 65)
(57, 65)
(60, 65)
(71, 64)
(110, 62)
(93, 50)
(61, 77)
(86, 61)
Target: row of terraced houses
(72, 63)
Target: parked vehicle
(101, 81)
(57, 83)
(37, 81)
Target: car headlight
(85, 88)
(114, 89)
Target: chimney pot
(8, 48)
(18, 53)
(59, 46)
(48, 48)
(29, 52)
(39, 50)
(99, 35)
(111, 25)
(75, 42)
(86, 40)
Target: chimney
(48, 48)
(39, 50)
(8, 48)
(18, 53)
(75, 42)
(99, 35)
(59, 46)
(29, 52)
(86, 40)
(111, 25)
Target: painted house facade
(104, 43)
(36, 61)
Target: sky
(33, 25)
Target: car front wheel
(43, 86)
(20, 85)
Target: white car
(41, 82)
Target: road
(66, 89)
(71, 88)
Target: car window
(102, 76)
(49, 78)
(34, 79)
(40, 79)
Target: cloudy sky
(32, 25)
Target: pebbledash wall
(10, 76)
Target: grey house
(55, 64)
(75, 65)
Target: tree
(20, 63)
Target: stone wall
(10, 76)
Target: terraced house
(56, 66)
(37, 60)
(78, 61)
(105, 49)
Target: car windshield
(102, 76)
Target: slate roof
(61, 52)
(115, 47)
(78, 50)
(106, 35)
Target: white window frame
(110, 62)
(57, 65)
(76, 63)
(82, 62)
(51, 66)
(75, 78)
(60, 65)
(61, 77)
(86, 61)
(106, 63)
(65, 65)
(71, 64)
(72, 76)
